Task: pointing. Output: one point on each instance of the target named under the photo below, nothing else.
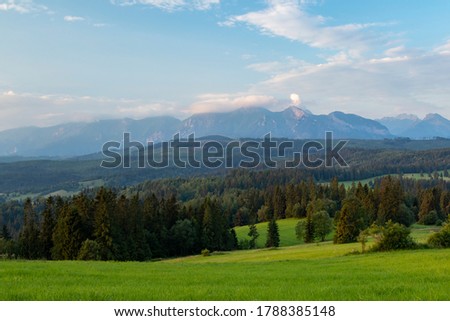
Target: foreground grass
(305, 272)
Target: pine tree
(68, 234)
(48, 227)
(214, 230)
(308, 236)
(104, 208)
(279, 203)
(253, 233)
(142, 249)
(29, 237)
(351, 221)
(273, 235)
(391, 201)
(5, 233)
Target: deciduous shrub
(392, 236)
(441, 239)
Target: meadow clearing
(318, 271)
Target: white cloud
(444, 49)
(276, 67)
(226, 102)
(100, 25)
(29, 109)
(147, 110)
(412, 82)
(289, 19)
(73, 18)
(22, 6)
(170, 5)
(295, 99)
(9, 93)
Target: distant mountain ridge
(75, 139)
(433, 125)
(292, 122)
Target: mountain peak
(298, 113)
(434, 116)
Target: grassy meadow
(322, 271)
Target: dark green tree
(273, 235)
(351, 221)
(48, 227)
(323, 224)
(253, 233)
(391, 201)
(279, 203)
(308, 236)
(29, 237)
(68, 234)
(183, 236)
(5, 233)
(104, 208)
(215, 229)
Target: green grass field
(285, 227)
(322, 271)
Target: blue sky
(83, 60)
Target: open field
(416, 176)
(286, 228)
(321, 271)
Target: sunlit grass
(322, 271)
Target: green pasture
(322, 271)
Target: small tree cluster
(441, 239)
(316, 227)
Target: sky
(63, 61)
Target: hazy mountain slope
(83, 138)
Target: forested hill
(177, 217)
(41, 177)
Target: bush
(429, 219)
(206, 252)
(7, 248)
(244, 244)
(392, 236)
(300, 229)
(89, 251)
(441, 239)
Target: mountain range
(433, 125)
(74, 139)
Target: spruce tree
(308, 236)
(5, 233)
(29, 236)
(253, 233)
(351, 221)
(104, 208)
(273, 235)
(48, 227)
(68, 234)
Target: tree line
(179, 217)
